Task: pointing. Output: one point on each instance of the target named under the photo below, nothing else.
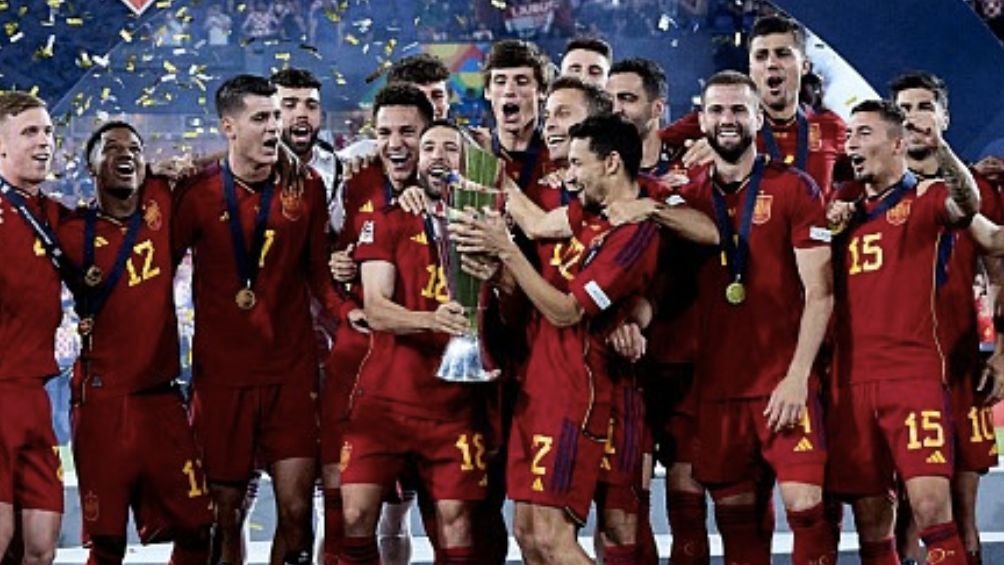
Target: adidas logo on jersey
(420, 238)
(936, 458)
(367, 207)
(538, 485)
(804, 445)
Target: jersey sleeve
(807, 223)
(377, 239)
(184, 221)
(678, 132)
(623, 265)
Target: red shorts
(551, 462)
(241, 426)
(884, 430)
(138, 451)
(340, 371)
(671, 405)
(627, 438)
(733, 441)
(975, 441)
(31, 476)
(447, 456)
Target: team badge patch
(91, 507)
(152, 216)
(898, 214)
(761, 213)
(815, 137)
(292, 206)
(366, 234)
(345, 457)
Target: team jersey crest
(898, 214)
(761, 213)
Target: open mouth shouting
(301, 134)
(555, 140)
(510, 112)
(857, 163)
(775, 85)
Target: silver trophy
(463, 359)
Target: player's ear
(612, 163)
(228, 127)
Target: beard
(733, 153)
(301, 147)
(120, 192)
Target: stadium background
(157, 63)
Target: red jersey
(617, 266)
(958, 263)
(825, 136)
(273, 342)
(365, 193)
(885, 281)
(400, 370)
(134, 344)
(745, 349)
(30, 309)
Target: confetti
(74, 22)
(126, 36)
(351, 39)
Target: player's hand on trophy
(481, 232)
(628, 341)
(787, 403)
(449, 318)
(699, 152)
(357, 319)
(343, 267)
(479, 266)
(991, 385)
(630, 211)
(412, 200)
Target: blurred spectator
(260, 23)
(992, 11)
(323, 27)
(173, 32)
(218, 26)
(482, 33)
(288, 15)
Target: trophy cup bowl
(463, 359)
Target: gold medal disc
(92, 277)
(735, 293)
(245, 299)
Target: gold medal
(735, 293)
(92, 277)
(245, 299)
(85, 326)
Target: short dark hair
(608, 133)
(418, 69)
(769, 25)
(441, 123)
(14, 102)
(95, 137)
(653, 78)
(889, 112)
(921, 79)
(597, 99)
(291, 77)
(230, 95)
(512, 53)
(728, 78)
(590, 43)
(403, 94)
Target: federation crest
(815, 137)
(91, 507)
(152, 216)
(898, 214)
(761, 212)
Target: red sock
(688, 516)
(740, 526)
(648, 552)
(190, 553)
(105, 554)
(834, 518)
(943, 544)
(620, 554)
(334, 525)
(359, 551)
(765, 509)
(879, 552)
(455, 556)
(812, 536)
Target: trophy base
(462, 362)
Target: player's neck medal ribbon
(91, 297)
(43, 231)
(801, 142)
(463, 360)
(246, 259)
(735, 247)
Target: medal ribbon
(40, 226)
(247, 261)
(737, 251)
(896, 194)
(530, 157)
(801, 142)
(91, 301)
